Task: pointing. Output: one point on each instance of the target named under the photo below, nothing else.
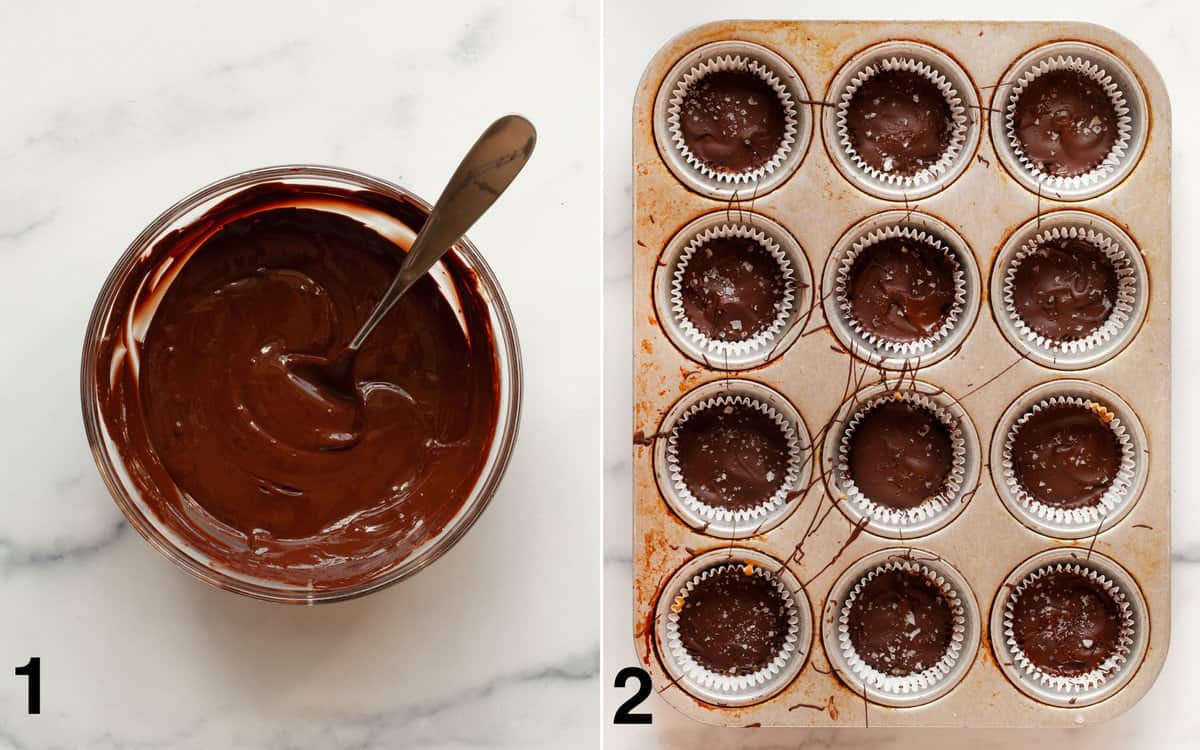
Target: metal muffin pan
(984, 372)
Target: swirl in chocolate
(733, 121)
(901, 289)
(732, 289)
(1065, 456)
(1066, 123)
(1066, 623)
(732, 456)
(900, 623)
(899, 122)
(1065, 289)
(900, 455)
(270, 474)
(733, 623)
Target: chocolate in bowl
(253, 480)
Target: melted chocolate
(733, 623)
(1066, 624)
(733, 457)
(901, 289)
(900, 455)
(899, 122)
(900, 623)
(1066, 123)
(1065, 289)
(733, 121)
(270, 474)
(1065, 456)
(732, 289)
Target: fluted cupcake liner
(783, 311)
(739, 63)
(897, 519)
(901, 349)
(1120, 149)
(789, 483)
(1119, 318)
(899, 685)
(959, 118)
(733, 685)
(1071, 685)
(1117, 494)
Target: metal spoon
(483, 174)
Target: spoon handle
(483, 174)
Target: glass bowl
(132, 268)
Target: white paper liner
(1089, 680)
(1120, 148)
(1118, 318)
(725, 683)
(898, 518)
(1117, 493)
(783, 309)
(733, 63)
(903, 349)
(958, 117)
(777, 500)
(905, 684)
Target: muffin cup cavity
(784, 309)
(1093, 686)
(1119, 85)
(944, 74)
(738, 57)
(931, 515)
(1129, 306)
(888, 353)
(732, 689)
(730, 523)
(1117, 500)
(791, 313)
(902, 690)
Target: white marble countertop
(634, 31)
(113, 111)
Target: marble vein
(16, 555)
(23, 230)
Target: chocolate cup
(759, 349)
(722, 523)
(1124, 90)
(946, 75)
(721, 690)
(1091, 687)
(892, 355)
(920, 688)
(1124, 321)
(779, 75)
(1117, 502)
(928, 517)
(785, 310)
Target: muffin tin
(813, 372)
